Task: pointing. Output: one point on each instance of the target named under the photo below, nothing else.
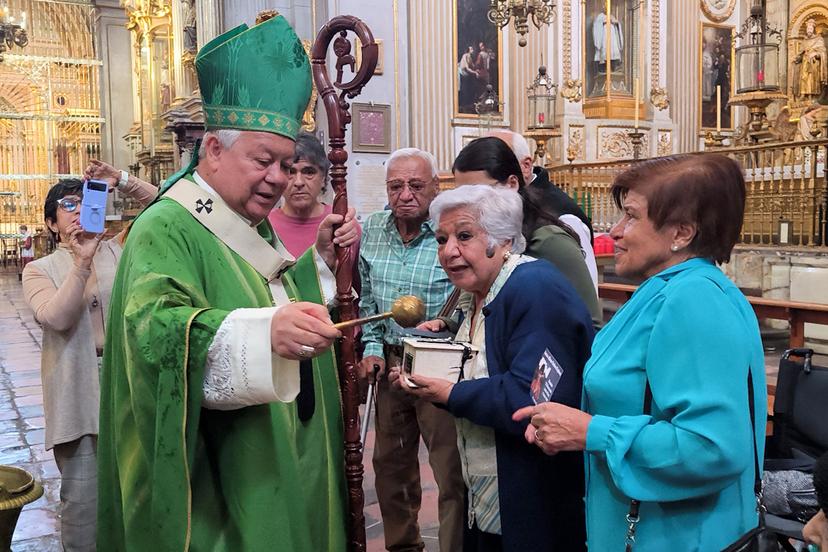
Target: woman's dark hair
(494, 156)
(309, 150)
(63, 188)
(706, 190)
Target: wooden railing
(796, 313)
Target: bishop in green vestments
(221, 425)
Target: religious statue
(809, 121)
(608, 43)
(189, 26)
(813, 62)
(599, 37)
(166, 90)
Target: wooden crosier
(334, 97)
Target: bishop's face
(251, 175)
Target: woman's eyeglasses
(68, 204)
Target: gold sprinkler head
(408, 311)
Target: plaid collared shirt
(388, 268)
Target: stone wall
(796, 274)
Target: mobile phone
(93, 206)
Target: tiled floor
(21, 418)
(21, 435)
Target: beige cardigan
(71, 305)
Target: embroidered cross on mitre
(204, 205)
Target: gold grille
(50, 121)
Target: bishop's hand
(344, 236)
(301, 330)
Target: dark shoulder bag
(750, 541)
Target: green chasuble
(175, 476)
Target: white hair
(499, 211)
(226, 137)
(518, 144)
(408, 153)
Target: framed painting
(466, 138)
(380, 55)
(372, 128)
(478, 55)
(716, 67)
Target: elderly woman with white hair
(521, 313)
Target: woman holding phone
(69, 291)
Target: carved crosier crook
(337, 109)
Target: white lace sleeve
(241, 368)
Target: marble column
(116, 84)
(298, 13)
(179, 86)
(682, 72)
(209, 20)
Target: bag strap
(757, 481)
(635, 505)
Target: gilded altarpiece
(612, 57)
(151, 24)
(50, 124)
(613, 79)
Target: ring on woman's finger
(305, 350)
(538, 436)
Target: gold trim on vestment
(184, 429)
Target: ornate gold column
(151, 24)
(178, 50)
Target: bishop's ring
(306, 350)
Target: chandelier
(541, 11)
(12, 33)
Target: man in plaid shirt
(398, 256)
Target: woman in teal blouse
(689, 334)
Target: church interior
(594, 85)
(116, 81)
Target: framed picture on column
(716, 72)
(372, 128)
(477, 53)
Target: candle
(718, 108)
(23, 20)
(636, 104)
(608, 47)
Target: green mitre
(255, 78)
